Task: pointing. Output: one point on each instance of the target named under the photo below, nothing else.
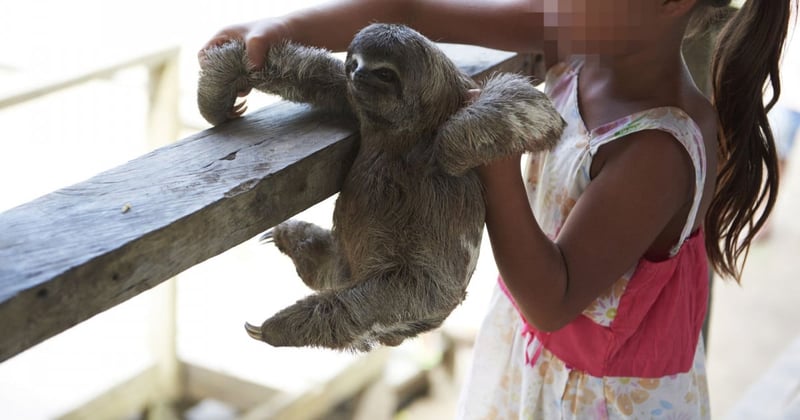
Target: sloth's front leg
(305, 74)
(508, 117)
(313, 250)
(295, 72)
(224, 74)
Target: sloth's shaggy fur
(408, 222)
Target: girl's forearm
(332, 24)
(514, 25)
(529, 262)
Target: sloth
(408, 221)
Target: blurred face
(602, 26)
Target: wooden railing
(78, 251)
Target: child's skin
(642, 187)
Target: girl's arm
(513, 25)
(638, 190)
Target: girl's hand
(258, 36)
(473, 94)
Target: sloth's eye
(385, 75)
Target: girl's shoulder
(558, 82)
(565, 68)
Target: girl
(602, 243)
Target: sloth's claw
(253, 331)
(267, 237)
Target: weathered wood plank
(83, 249)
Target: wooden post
(163, 124)
(170, 376)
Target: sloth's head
(399, 80)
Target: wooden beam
(163, 127)
(139, 394)
(121, 401)
(80, 250)
(313, 403)
(203, 383)
(32, 89)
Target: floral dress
(636, 351)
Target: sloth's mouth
(373, 87)
(367, 85)
(377, 118)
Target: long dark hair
(746, 57)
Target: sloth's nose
(360, 73)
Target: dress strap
(675, 122)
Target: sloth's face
(386, 70)
(376, 86)
(397, 79)
(373, 81)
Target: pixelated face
(601, 26)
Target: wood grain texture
(80, 250)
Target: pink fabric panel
(649, 337)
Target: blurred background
(66, 136)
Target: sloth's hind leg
(319, 320)
(313, 250)
(386, 309)
(394, 335)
